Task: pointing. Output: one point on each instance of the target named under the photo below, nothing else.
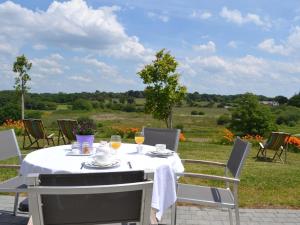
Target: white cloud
(39, 47)
(210, 47)
(235, 16)
(285, 48)
(232, 44)
(107, 72)
(71, 25)
(215, 74)
(269, 45)
(162, 17)
(48, 66)
(81, 78)
(203, 15)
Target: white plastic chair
(9, 148)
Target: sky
(222, 46)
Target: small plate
(77, 154)
(164, 153)
(109, 164)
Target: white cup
(160, 147)
(100, 157)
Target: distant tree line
(126, 101)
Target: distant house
(270, 103)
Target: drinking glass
(115, 142)
(139, 139)
(75, 147)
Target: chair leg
(16, 203)
(173, 214)
(237, 216)
(230, 216)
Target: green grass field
(263, 184)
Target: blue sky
(223, 47)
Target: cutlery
(129, 164)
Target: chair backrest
(169, 137)
(9, 145)
(237, 157)
(97, 198)
(276, 140)
(67, 128)
(35, 128)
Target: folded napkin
(164, 189)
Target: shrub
(250, 117)
(95, 104)
(223, 119)
(129, 108)
(288, 116)
(81, 104)
(194, 112)
(116, 106)
(179, 126)
(33, 115)
(10, 111)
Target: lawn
(263, 184)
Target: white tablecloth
(55, 160)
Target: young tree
(22, 66)
(250, 117)
(163, 90)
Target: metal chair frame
(231, 185)
(160, 134)
(36, 193)
(10, 148)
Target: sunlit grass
(263, 184)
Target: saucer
(163, 153)
(102, 165)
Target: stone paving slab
(186, 215)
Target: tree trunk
(169, 120)
(22, 105)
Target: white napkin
(164, 189)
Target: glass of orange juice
(139, 139)
(115, 142)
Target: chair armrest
(13, 166)
(261, 145)
(50, 136)
(203, 162)
(209, 177)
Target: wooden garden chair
(34, 130)
(278, 142)
(66, 130)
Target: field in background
(263, 184)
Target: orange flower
(294, 141)
(182, 137)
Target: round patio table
(56, 160)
